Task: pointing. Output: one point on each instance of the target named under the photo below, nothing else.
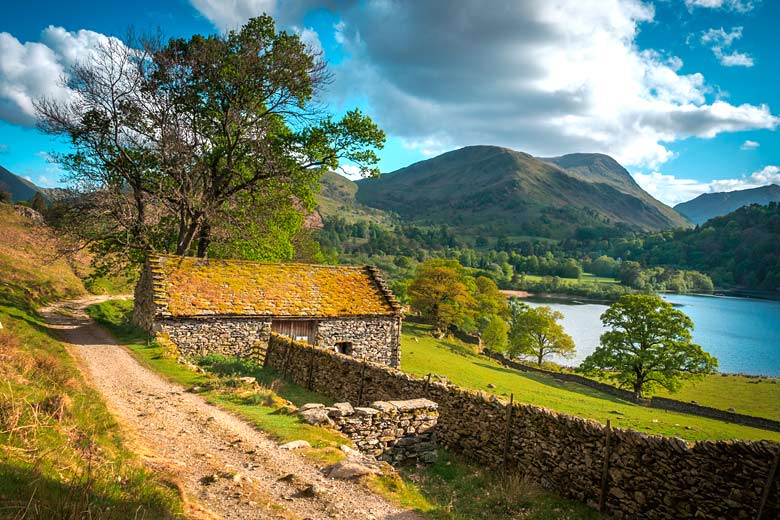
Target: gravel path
(230, 469)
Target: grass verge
(61, 452)
(457, 361)
(451, 489)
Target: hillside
(711, 205)
(496, 191)
(32, 271)
(337, 198)
(741, 249)
(19, 187)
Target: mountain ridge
(710, 205)
(496, 190)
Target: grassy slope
(337, 199)
(423, 354)
(61, 452)
(755, 396)
(451, 489)
(32, 272)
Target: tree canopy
(443, 294)
(178, 145)
(535, 332)
(648, 344)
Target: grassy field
(757, 396)
(451, 489)
(586, 278)
(423, 354)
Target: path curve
(180, 433)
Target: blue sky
(682, 92)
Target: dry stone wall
(393, 431)
(649, 476)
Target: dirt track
(180, 433)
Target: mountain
(710, 205)
(494, 191)
(337, 198)
(20, 188)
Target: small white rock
(294, 445)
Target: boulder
(295, 445)
(315, 416)
(310, 406)
(349, 469)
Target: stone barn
(231, 307)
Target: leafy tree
(181, 144)
(648, 344)
(5, 194)
(536, 332)
(494, 334)
(38, 203)
(440, 292)
(604, 266)
(489, 300)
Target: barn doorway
(300, 330)
(344, 347)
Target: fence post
(362, 381)
(508, 433)
(605, 469)
(427, 384)
(770, 481)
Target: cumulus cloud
(232, 15)
(539, 76)
(739, 6)
(719, 41)
(32, 70)
(749, 145)
(673, 190)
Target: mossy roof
(192, 287)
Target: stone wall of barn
(242, 337)
(637, 475)
(377, 339)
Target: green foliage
(441, 293)
(739, 249)
(535, 332)
(648, 344)
(495, 334)
(234, 143)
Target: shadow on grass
(554, 383)
(29, 494)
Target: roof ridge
(258, 262)
(376, 275)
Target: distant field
(423, 354)
(586, 278)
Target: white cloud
(739, 6)
(718, 40)
(232, 14)
(538, 76)
(32, 70)
(672, 190)
(749, 145)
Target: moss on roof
(187, 287)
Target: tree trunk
(204, 239)
(638, 389)
(539, 358)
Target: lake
(743, 333)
